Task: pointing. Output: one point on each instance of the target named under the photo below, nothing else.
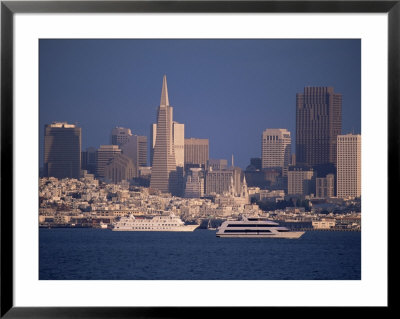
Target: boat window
(247, 231)
(251, 225)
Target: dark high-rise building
(62, 150)
(318, 123)
(256, 162)
(89, 160)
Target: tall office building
(325, 186)
(153, 134)
(136, 149)
(89, 160)
(178, 133)
(164, 173)
(349, 165)
(62, 150)
(134, 146)
(141, 142)
(120, 135)
(104, 155)
(276, 148)
(318, 123)
(301, 181)
(196, 151)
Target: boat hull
(185, 228)
(288, 235)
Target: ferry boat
(255, 227)
(156, 223)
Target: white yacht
(156, 223)
(255, 227)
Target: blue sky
(228, 91)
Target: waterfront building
(194, 187)
(120, 168)
(325, 186)
(120, 135)
(164, 175)
(178, 133)
(301, 181)
(318, 123)
(276, 149)
(271, 195)
(62, 150)
(196, 151)
(324, 223)
(349, 165)
(103, 156)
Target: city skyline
(241, 84)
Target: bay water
(102, 254)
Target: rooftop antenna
(232, 160)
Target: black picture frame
(9, 8)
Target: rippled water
(200, 255)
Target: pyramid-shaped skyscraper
(164, 173)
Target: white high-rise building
(153, 134)
(178, 131)
(120, 135)
(276, 149)
(349, 165)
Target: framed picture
(72, 72)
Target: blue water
(101, 254)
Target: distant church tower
(164, 174)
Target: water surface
(101, 254)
